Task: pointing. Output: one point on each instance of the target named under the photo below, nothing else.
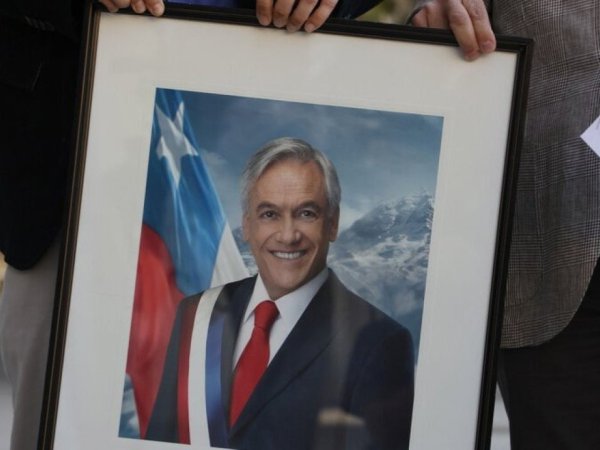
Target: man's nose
(288, 233)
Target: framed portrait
(360, 177)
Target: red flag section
(155, 304)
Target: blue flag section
(186, 247)
(181, 202)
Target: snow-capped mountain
(383, 257)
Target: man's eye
(308, 214)
(268, 215)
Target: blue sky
(379, 155)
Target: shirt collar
(290, 306)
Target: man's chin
(283, 287)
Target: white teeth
(287, 255)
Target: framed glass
(425, 146)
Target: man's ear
(245, 227)
(334, 226)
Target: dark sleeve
(61, 16)
(349, 9)
(38, 72)
(384, 392)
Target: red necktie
(254, 358)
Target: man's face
(288, 226)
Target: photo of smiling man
(291, 358)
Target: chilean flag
(186, 247)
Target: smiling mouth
(289, 255)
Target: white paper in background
(591, 136)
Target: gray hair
(287, 148)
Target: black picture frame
(128, 57)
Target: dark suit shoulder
(379, 368)
(376, 336)
(357, 312)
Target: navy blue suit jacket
(343, 355)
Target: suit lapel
(307, 340)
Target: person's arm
(468, 20)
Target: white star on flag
(173, 144)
